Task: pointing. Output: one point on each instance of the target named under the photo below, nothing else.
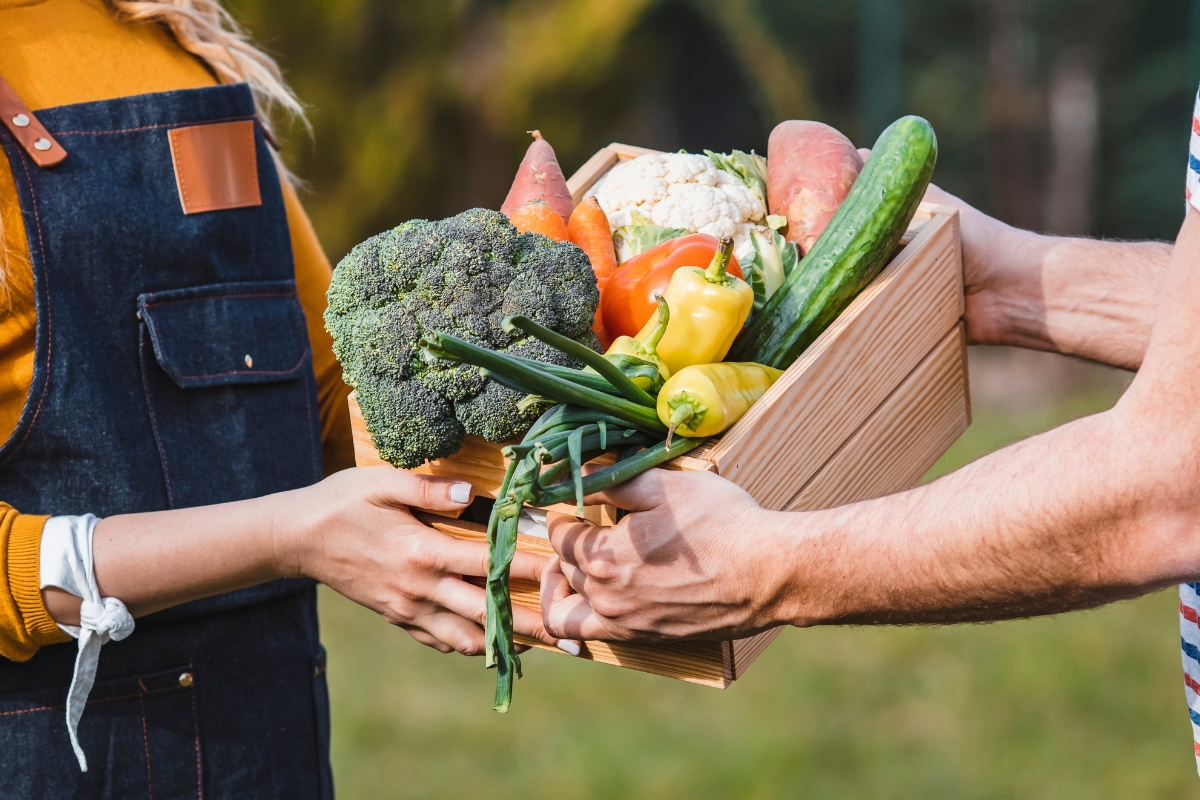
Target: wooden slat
(853, 366)
(903, 438)
(590, 172)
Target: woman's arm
(353, 532)
(1080, 297)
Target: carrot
(590, 232)
(539, 178)
(537, 217)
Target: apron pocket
(140, 735)
(222, 365)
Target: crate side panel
(903, 438)
(746, 651)
(695, 662)
(894, 448)
(853, 366)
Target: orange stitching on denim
(94, 702)
(162, 454)
(196, 728)
(289, 371)
(217, 297)
(153, 127)
(30, 710)
(146, 742)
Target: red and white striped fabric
(1189, 629)
(1193, 173)
(1189, 593)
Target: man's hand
(694, 560)
(1081, 297)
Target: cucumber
(855, 246)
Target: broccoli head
(461, 276)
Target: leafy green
(750, 167)
(773, 260)
(640, 235)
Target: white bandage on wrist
(66, 563)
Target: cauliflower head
(682, 190)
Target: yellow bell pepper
(707, 399)
(646, 351)
(708, 309)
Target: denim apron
(172, 369)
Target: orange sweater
(56, 52)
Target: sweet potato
(537, 217)
(539, 178)
(589, 231)
(810, 169)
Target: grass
(1086, 705)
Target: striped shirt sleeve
(1193, 173)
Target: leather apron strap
(34, 139)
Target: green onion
(622, 471)
(628, 389)
(534, 381)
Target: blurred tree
(420, 108)
(880, 65)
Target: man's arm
(1101, 509)
(1081, 297)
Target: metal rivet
(185, 679)
(249, 362)
(42, 144)
(21, 121)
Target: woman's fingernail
(460, 493)
(568, 647)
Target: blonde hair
(207, 31)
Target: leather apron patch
(216, 166)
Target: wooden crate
(864, 412)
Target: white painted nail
(568, 647)
(460, 493)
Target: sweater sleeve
(25, 625)
(313, 274)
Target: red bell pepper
(627, 302)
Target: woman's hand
(696, 560)
(354, 533)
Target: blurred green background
(1059, 115)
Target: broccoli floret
(460, 276)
